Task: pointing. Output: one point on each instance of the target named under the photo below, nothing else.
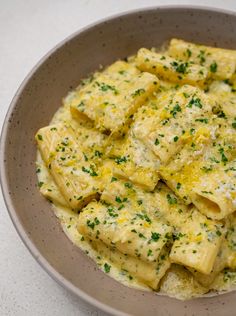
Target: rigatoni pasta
(171, 69)
(140, 166)
(114, 95)
(220, 62)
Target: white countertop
(28, 30)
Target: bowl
(33, 106)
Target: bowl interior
(33, 106)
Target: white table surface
(29, 29)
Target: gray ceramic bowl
(33, 106)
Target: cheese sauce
(176, 285)
(69, 220)
(180, 137)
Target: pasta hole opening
(205, 203)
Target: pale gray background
(28, 30)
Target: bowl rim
(53, 273)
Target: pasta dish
(139, 164)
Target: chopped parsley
(230, 169)
(120, 160)
(105, 87)
(144, 217)
(171, 199)
(157, 141)
(213, 159)
(213, 67)
(206, 192)
(192, 131)
(90, 171)
(202, 120)
(177, 236)
(221, 114)
(111, 212)
(140, 202)
(180, 67)
(138, 92)
(141, 236)
(113, 179)
(98, 153)
(228, 275)
(118, 199)
(196, 102)
(80, 104)
(206, 169)
(201, 56)
(175, 110)
(85, 157)
(128, 185)
(155, 236)
(178, 186)
(186, 95)
(188, 52)
(93, 224)
(107, 268)
(223, 157)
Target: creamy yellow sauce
(200, 262)
(69, 220)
